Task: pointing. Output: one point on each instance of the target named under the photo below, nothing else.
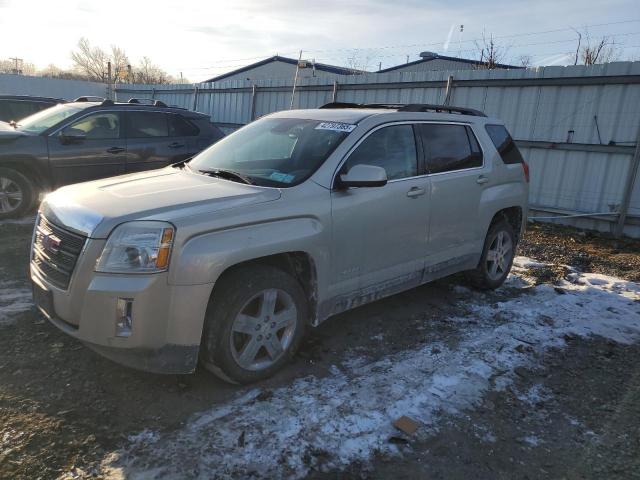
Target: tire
(17, 194)
(490, 274)
(252, 311)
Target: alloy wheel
(10, 195)
(263, 329)
(499, 255)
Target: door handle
(482, 179)
(115, 150)
(176, 145)
(416, 192)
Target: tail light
(525, 168)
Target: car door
(184, 135)
(149, 144)
(88, 148)
(380, 233)
(458, 177)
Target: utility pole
(379, 66)
(16, 70)
(109, 80)
(295, 81)
(129, 74)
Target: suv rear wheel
(255, 322)
(497, 257)
(17, 193)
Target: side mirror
(363, 176)
(72, 136)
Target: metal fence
(577, 126)
(49, 87)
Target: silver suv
(229, 257)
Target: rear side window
(147, 124)
(180, 127)
(450, 147)
(504, 144)
(392, 148)
(19, 109)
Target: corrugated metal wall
(596, 108)
(49, 87)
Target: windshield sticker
(281, 177)
(336, 127)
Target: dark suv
(93, 138)
(15, 107)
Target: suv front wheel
(255, 323)
(17, 194)
(497, 257)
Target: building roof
(435, 56)
(277, 58)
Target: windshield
(41, 121)
(279, 152)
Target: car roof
(32, 98)
(356, 115)
(139, 106)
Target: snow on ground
(330, 422)
(15, 298)
(29, 220)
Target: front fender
(202, 259)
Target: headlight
(137, 247)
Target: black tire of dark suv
(17, 194)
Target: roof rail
(89, 98)
(409, 107)
(106, 103)
(147, 101)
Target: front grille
(55, 252)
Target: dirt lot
(516, 386)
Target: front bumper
(167, 319)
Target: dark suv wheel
(255, 322)
(497, 257)
(17, 193)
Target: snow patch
(331, 422)
(14, 300)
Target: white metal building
(277, 67)
(432, 61)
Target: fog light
(124, 317)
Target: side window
(450, 147)
(392, 148)
(99, 126)
(180, 127)
(147, 124)
(504, 144)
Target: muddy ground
(63, 408)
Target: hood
(7, 130)
(94, 208)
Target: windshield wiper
(227, 174)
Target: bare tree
(358, 63)
(525, 61)
(92, 61)
(149, 73)
(491, 54)
(119, 64)
(17, 66)
(591, 51)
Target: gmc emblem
(51, 243)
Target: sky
(202, 39)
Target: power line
(354, 49)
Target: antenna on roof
(295, 80)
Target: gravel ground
(63, 409)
